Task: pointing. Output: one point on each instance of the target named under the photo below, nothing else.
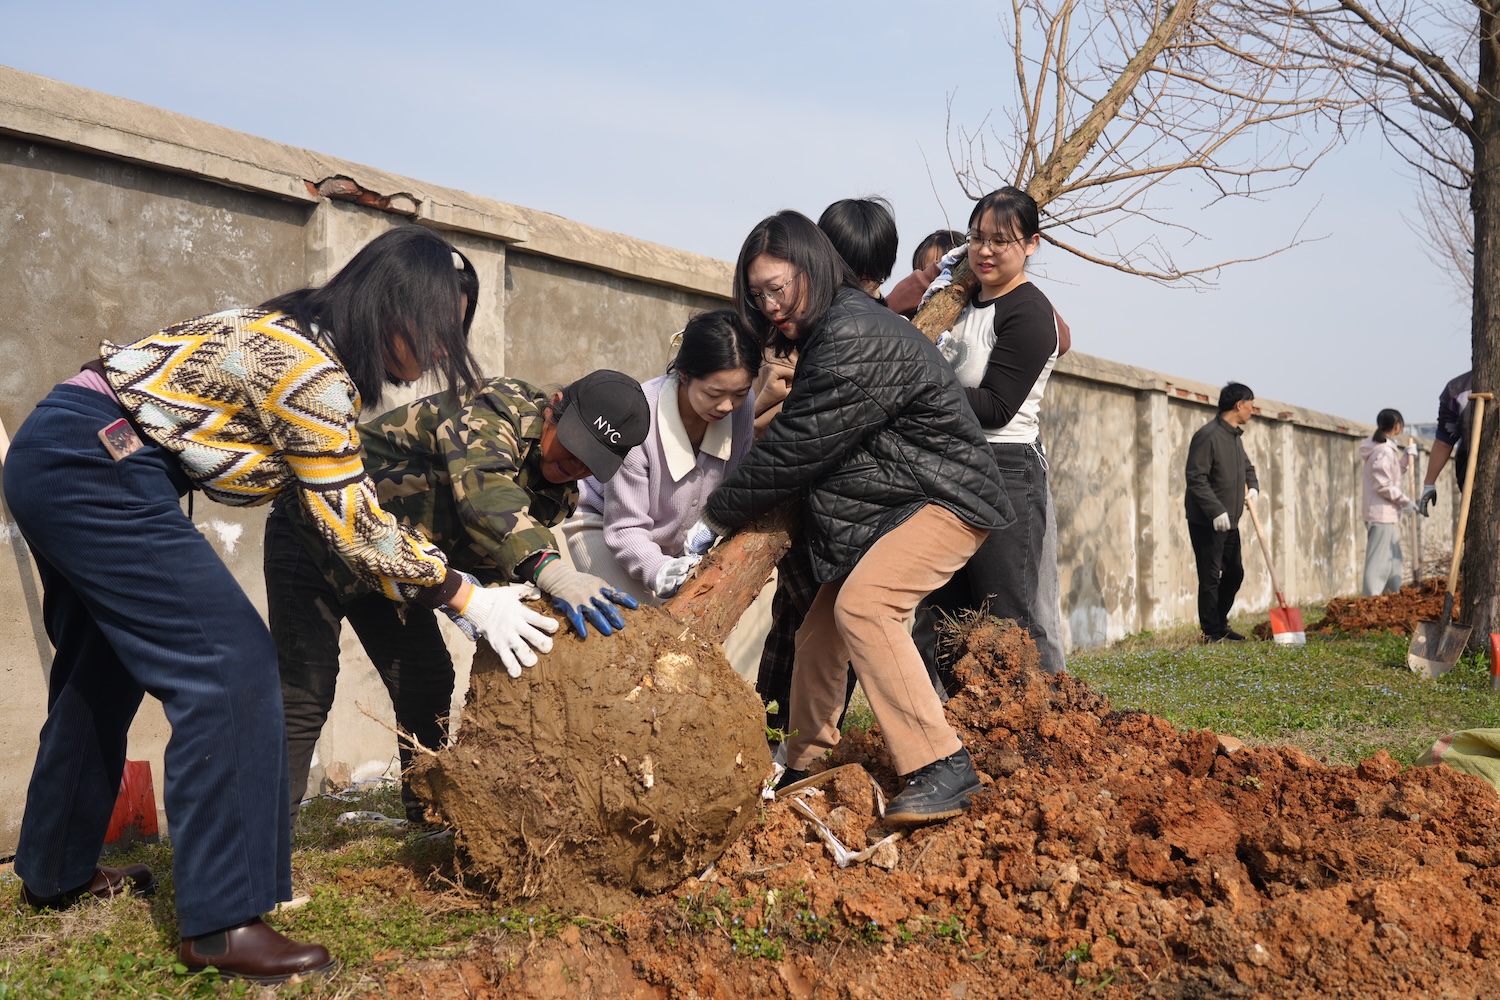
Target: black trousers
(1002, 578)
(1220, 573)
(305, 615)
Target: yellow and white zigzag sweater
(250, 404)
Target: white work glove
(1410, 507)
(1411, 450)
(516, 632)
(673, 574)
(700, 538)
(585, 599)
(1221, 523)
(945, 271)
(1427, 499)
(1251, 493)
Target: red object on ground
(134, 817)
(1495, 661)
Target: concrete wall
(1117, 440)
(120, 218)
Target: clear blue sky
(685, 123)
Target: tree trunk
(731, 576)
(939, 313)
(1480, 572)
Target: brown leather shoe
(107, 882)
(256, 952)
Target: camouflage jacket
(466, 473)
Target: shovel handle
(1260, 536)
(1478, 399)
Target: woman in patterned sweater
(242, 405)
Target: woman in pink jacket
(1383, 503)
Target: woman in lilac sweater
(630, 531)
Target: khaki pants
(861, 619)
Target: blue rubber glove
(584, 599)
(700, 538)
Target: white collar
(675, 443)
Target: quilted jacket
(875, 428)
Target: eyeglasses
(774, 294)
(994, 243)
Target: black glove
(1428, 498)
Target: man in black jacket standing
(1220, 479)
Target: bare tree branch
(1114, 98)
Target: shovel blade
(1436, 647)
(1286, 627)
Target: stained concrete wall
(120, 218)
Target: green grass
(1340, 698)
(379, 897)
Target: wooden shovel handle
(1478, 399)
(1260, 536)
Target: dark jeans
(137, 601)
(1002, 577)
(1220, 573)
(305, 614)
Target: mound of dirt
(618, 764)
(1108, 851)
(1398, 612)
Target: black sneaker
(1233, 636)
(789, 777)
(938, 791)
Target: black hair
(405, 282)
(565, 396)
(1232, 395)
(1387, 421)
(792, 237)
(715, 342)
(941, 240)
(863, 231)
(1014, 210)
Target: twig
(400, 733)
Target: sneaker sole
(956, 806)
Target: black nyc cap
(607, 417)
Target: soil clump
(1108, 854)
(619, 764)
(1398, 612)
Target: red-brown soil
(1108, 855)
(1398, 612)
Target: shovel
(1286, 621)
(1436, 646)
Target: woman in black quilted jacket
(899, 490)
